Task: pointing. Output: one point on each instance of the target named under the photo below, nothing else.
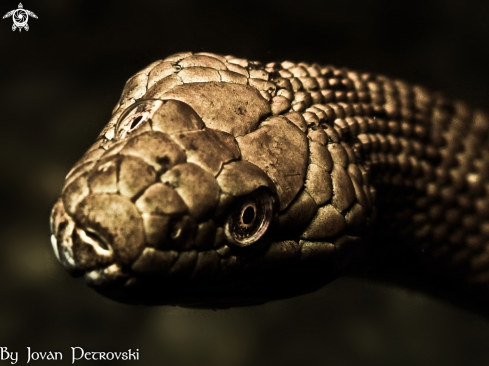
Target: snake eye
(135, 116)
(249, 221)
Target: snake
(220, 182)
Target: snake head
(196, 194)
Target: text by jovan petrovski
(77, 354)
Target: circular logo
(20, 18)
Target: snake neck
(422, 158)
(427, 161)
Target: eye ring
(251, 218)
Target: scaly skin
(322, 155)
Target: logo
(20, 17)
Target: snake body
(219, 181)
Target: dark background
(58, 84)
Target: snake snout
(105, 230)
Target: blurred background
(58, 84)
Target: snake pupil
(248, 215)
